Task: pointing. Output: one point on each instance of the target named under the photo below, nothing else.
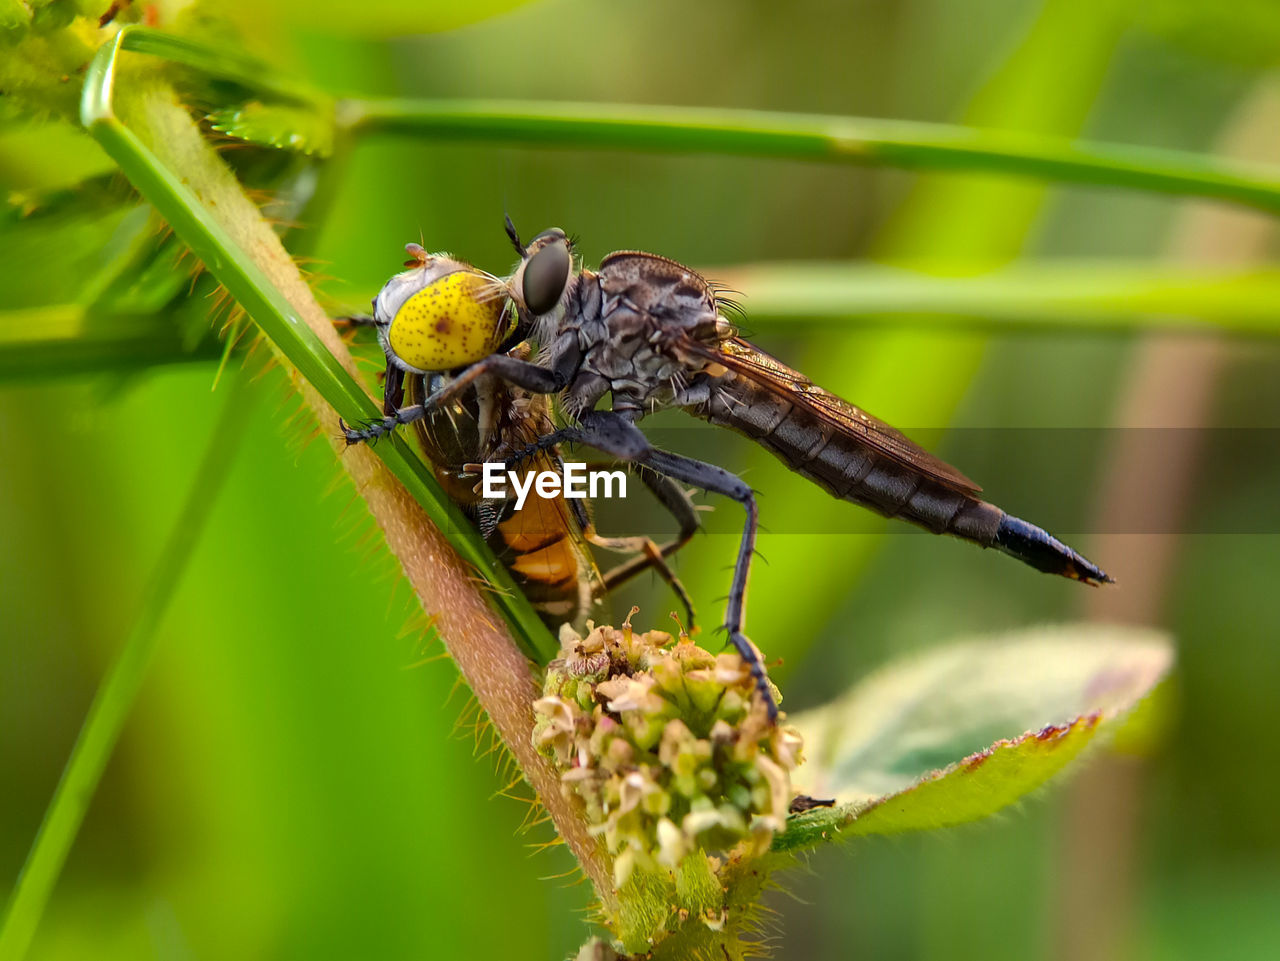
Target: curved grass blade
(236, 269)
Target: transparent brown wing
(747, 360)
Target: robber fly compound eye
(546, 272)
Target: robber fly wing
(748, 361)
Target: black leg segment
(617, 436)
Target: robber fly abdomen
(845, 467)
(891, 476)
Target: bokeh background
(291, 785)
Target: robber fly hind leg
(614, 434)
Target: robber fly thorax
(653, 333)
(441, 315)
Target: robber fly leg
(565, 435)
(720, 481)
(614, 434)
(675, 499)
(522, 373)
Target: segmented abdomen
(854, 471)
(846, 468)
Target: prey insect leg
(355, 321)
(675, 499)
(393, 381)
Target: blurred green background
(288, 785)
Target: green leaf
(14, 15)
(39, 158)
(923, 744)
(292, 127)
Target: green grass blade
(237, 270)
(1029, 295)
(857, 140)
(1102, 296)
(61, 340)
(119, 688)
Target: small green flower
(666, 747)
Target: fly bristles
(722, 301)
(494, 288)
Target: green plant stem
(1034, 295)
(860, 140)
(163, 154)
(69, 339)
(218, 61)
(1028, 296)
(857, 140)
(118, 690)
(236, 269)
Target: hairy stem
(153, 136)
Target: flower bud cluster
(665, 745)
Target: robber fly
(654, 334)
(440, 315)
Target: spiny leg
(720, 481)
(522, 373)
(614, 434)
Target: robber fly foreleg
(615, 434)
(522, 373)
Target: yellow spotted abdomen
(450, 323)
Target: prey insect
(442, 314)
(654, 334)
